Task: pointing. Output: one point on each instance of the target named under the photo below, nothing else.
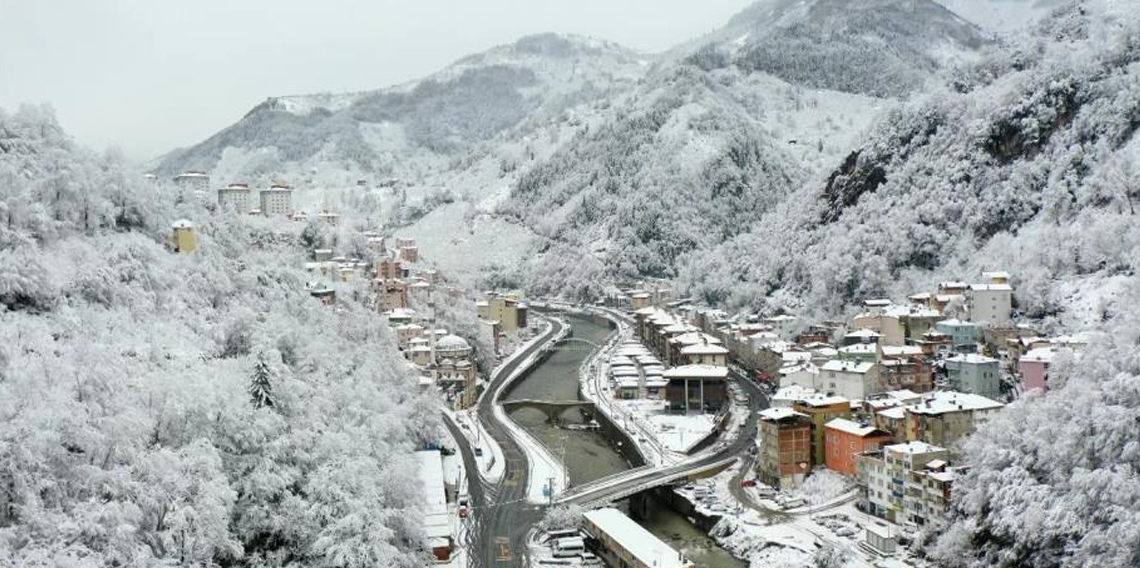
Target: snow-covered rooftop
(437, 523)
(991, 288)
(850, 427)
(839, 365)
(858, 349)
(704, 349)
(914, 447)
(817, 401)
(1040, 355)
(776, 414)
(942, 402)
(639, 542)
(901, 350)
(972, 358)
(697, 372)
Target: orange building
(844, 440)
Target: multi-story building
(849, 379)
(784, 458)
(235, 196)
(844, 440)
(885, 478)
(821, 410)
(963, 334)
(193, 181)
(928, 493)
(704, 354)
(904, 368)
(391, 294)
(1034, 367)
(508, 310)
(389, 269)
(944, 417)
(990, 303)
(973, 373)
(276, 201)
(696, 387)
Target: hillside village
(882, 399)
(837, 284)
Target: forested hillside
(720, 133)
(1024, 161)
(196, 410)
(682, 168)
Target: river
(588, 455)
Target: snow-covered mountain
(391, 131)
(1024, 162)
(721, 131)
(1002, 15)
(884, 48)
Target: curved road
(500, 515)
(501, 518)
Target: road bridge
(618, 487)
(552, 408)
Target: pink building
(1035, 368)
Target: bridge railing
(603, 494)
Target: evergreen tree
(261, 385)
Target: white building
(990, 303)
(433, 502)
(193, 181)
(235, 196)
(854, 380)
(885, 476)
(276, 201)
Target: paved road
(501, 517)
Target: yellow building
(183, 238)
(821, 410)
(508, 310)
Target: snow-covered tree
(261, 384)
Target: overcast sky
(150, 75)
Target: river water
(588, 455)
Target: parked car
(478, 452)
(748, 483)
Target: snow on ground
(491, 462)
(821, 486)
(661, 436)
(466, 246)
(767, 537)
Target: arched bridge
(573, 344)
(552, 408)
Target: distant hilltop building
(276, 201)
(193, 180)
(235, 196)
